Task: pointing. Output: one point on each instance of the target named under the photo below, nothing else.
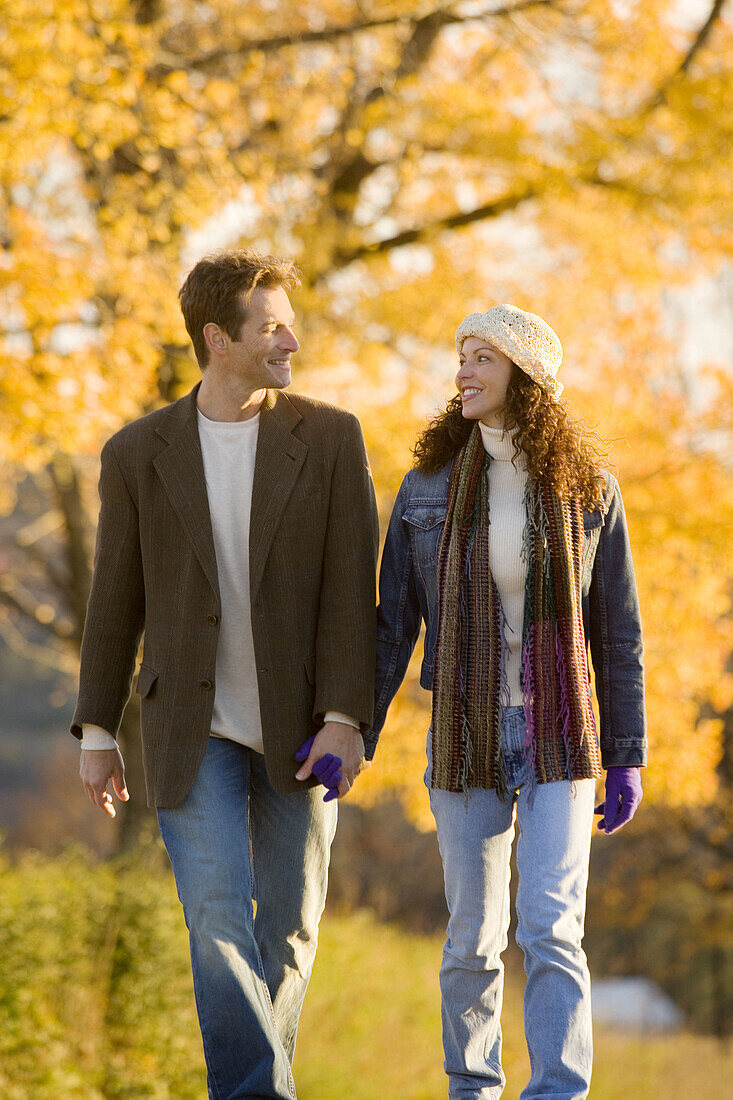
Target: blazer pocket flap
(425, 516)
(310, 669)
(145, 681)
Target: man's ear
(216, 339)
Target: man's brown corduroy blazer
(312, 551)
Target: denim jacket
(611, 621)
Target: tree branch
(702, 36)
(343, 257)
(625, 187)
(18, 597)
(349, 167)
(660, 96)
(412, 236)
(46, 524)
(31, 651)
(446, 16)
(58, 578)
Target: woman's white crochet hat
(524, 337)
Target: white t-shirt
(229, 449)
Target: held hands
(623, 795)
(327, 770)
(334, 756)
(96, 768)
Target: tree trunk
(77, 538)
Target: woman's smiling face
(482, 380)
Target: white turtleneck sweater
(507, 483)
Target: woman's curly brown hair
(557, 450)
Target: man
(238, 530)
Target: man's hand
(96, 768)
(623, 795)
(337, 740)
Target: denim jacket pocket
(425, 523)
(592, 527)
(425, 526)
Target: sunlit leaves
(122, 139)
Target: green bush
(95, 986)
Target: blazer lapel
(280, 457)
(181, 469)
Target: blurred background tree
(420, 160)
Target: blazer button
(206, 685)
(213, 619)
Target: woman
(510, 542)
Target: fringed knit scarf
(469, 686)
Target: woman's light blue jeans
(251, 869)
(475, 837)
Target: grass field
(371, 1030)
(96, 1002)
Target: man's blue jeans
(251, 869)
(475, 838)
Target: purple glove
(326, 770)
(623, 795)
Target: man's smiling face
(261, 355)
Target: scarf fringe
(563, 707)
(529, 691)
(465, 755)
(499, 770)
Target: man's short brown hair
(212, 292)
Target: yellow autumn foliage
(420, 161)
